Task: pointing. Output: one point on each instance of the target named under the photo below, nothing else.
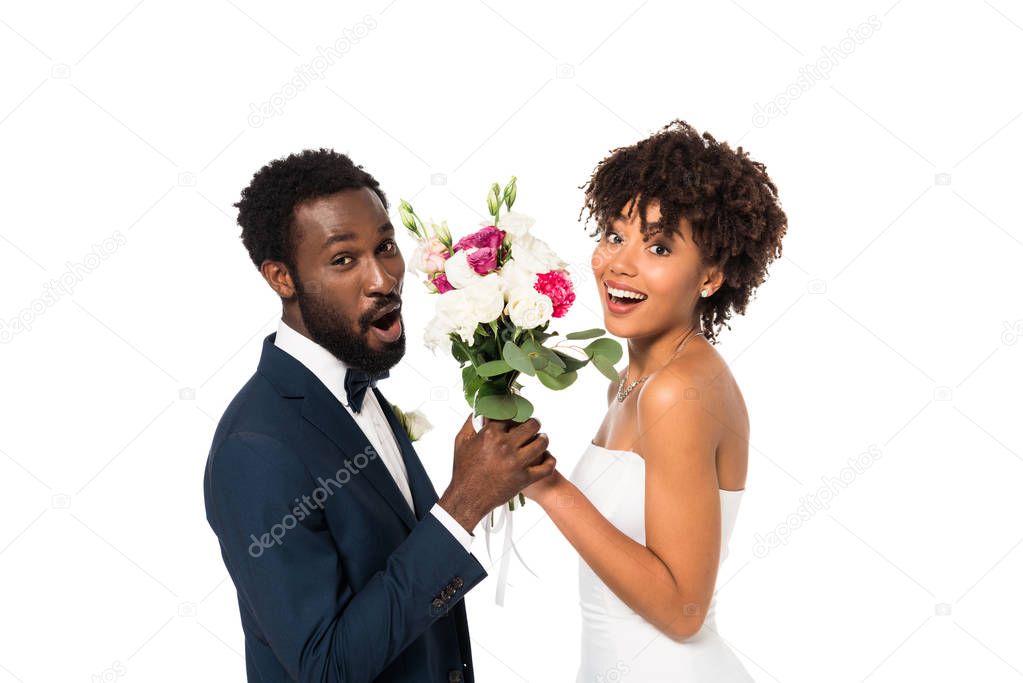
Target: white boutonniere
(414, 423)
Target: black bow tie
(356, 383)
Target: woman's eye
(611, 237)
(664, 250)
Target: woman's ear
(712, 281)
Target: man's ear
(279, 278)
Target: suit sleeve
(288, 572)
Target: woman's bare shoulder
(699, 375)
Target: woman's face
(666, 273)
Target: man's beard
(331, 331)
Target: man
(347, 565)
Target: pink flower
(429, 257)
(441, 283)
(558, 287)
(483, 260)
(488, 237)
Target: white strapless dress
(617, 643)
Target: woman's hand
(545, 491)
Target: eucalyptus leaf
(585, 334)
(497, 407)
(570, 362)
(606, 368)
(557, 383)
(472, 388)
(518, 359)
(523, 409)
(552, 357)
(492, 388)
(493, 368)
(534, 351)
(607, 348)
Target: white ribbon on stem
(505, 517)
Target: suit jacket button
(454, 677)
(458, 582)
(437, 603)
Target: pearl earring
(703, 293)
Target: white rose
(515, 276)
(534, 255)
(528, 308)
(417, 424)
(437, 331)
(460, 273)
(485, 297)
(455, 311)
(515, 224)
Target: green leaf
(493, 368)
(535, 353)
(497, 406)
(606, 367)
(553, 370)
(557, 383)
(585, 334)
(552, 357)
(523, 409)
(493, 388)
(457, 350)
(471, 382)
(570, 362)
(608, 348)
(518, 359)
(471, 390)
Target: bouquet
(498, 291)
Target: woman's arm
(669, 581)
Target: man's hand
(492, 465)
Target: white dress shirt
(371, 420)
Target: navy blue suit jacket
(337, 580)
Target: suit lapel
(423, 493)
(322, 409)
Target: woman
(687, 227)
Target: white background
(893, 321)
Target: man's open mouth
(387, 317)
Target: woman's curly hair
(728, 198)
(266, 210)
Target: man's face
(349, 278)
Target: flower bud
(408, 218)
(509, 193)
(443, 233)
(494, 199)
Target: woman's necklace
(623, 394)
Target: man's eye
(340, 261)
(389, 246)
